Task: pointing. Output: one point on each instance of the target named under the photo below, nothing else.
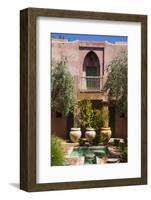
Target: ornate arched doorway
(91, 72)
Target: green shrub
(123, 157)
(96, 140)
(122, 146)
(105, 117)
(81, 142)
(97, 119)
(125, 141)
(57, 151)
(116, 84)
(117, 142)
(86, 114)
(90, 117)
(62, 87)
(104, 139)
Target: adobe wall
(75, 51)
(120, 126)
(58, 125)
(69, 50)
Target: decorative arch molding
(91, 63)
(91, 72)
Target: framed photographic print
(83, 99)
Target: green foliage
(62, 88)
(91, 117)
(96, 140)
(86, 114)
(116, 84)
(124, 149)
(122, 146)
(104, 139)
(97, 119)
(81, 142)
(123, 157)
(57, 151)
(105, 117)
(117, 142)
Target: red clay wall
(59, 125)
(120, 126)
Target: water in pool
(90, 153)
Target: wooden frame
(28, 99)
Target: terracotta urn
(90, 134)
(75, 134)
(106, 132)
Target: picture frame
(28, 98)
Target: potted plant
(105, 129)
(86, 119)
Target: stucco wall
(58, 125)
(120, 126)
(75, 51)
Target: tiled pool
(90, 153)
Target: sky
(85, 37)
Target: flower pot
(75, 134)
(90, 134)
(106, 132)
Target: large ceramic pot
(75, 134)
(106, 132)
(90, 134)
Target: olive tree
(62, 88)
(116, 84)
